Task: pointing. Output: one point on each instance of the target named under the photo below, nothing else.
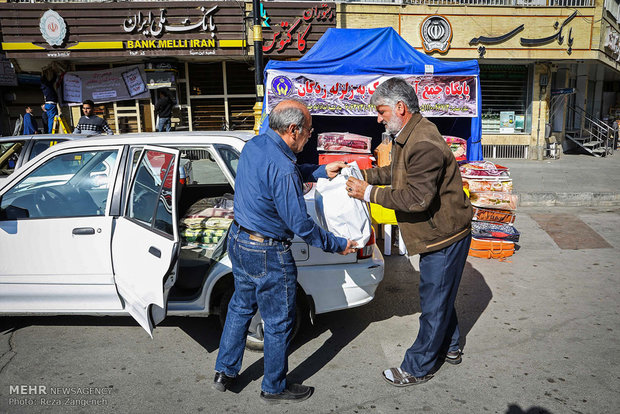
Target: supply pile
(490, 188)
(204, 227)
(345, 146)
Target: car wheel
(256, 333)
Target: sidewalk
(572, 180)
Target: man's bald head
(287, 113)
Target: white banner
(110, 85)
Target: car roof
(162, 138)
(12, 138)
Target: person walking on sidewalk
(51, 100)
(269, 210)
(163, 109)
(90, 124)
(434, 217)
(30, 124)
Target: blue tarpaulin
(380, 51)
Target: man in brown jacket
(434, 216)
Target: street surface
(541, 333)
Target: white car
(92, 226)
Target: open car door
(145, 243)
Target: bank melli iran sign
(443, 95)
(133, 29)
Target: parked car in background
(19, 149)
(103, 218)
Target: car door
(145, 242)
(55, 234)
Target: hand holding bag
(337, 212)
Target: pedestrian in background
(269, 210)
(163, 109)
(30, 123)
(51, 100)
(44, 120)
(434, 217)
(90, 124)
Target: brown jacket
(426, 190)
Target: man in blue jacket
(269, 210)
(30, 124)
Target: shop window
(240, 78)
(241, 113)
(208, 114)
(506, 98)
(206, 78)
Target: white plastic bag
(337, 212)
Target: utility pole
(257, 32)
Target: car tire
(255, 340)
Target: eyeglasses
(311, 130)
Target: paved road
(541, 335)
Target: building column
(540, 110)
(598, 91)
(581, 94)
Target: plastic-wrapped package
(502, 185)
(493, 215)
(483, 169)
(486, 230)
(491, 248)
(343, 142)
(202, 210)
(490, 199)
(458, 146)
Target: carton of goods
(494, 216)
(486, 230)
(343, 142)
(490, 199)
(364, 161)
(491, 249)
(502, 185)
(202, 210)
(483, 169)
(458, 146)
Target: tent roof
(369, 51)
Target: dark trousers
(440, 275)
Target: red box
(364, 161)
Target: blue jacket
(30, 125)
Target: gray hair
(281, 118)
(393, 90)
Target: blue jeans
(52, 111)
(265, 278)
(440, 275)
(164, 123)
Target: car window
(9, 154)
(41, 145)
(197, 165)
(150, 198)
(68, 185)
(230, 157)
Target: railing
(594, 129)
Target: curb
(581, 199)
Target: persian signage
(439, 96)
(131, 29)
(116, 84)
(290, 29)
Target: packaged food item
(202, 210)
(493, 215)
(383, 153)
(458, 146)
(483, 169)
(502, 185)
(343, 142)
(486, 230)
(364, 161)
(490, 199)
(491, 248)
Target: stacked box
(490, 189)
(346, 147)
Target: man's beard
(394, 125)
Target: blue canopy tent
(349, 52)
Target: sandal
(399, 378)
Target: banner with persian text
(108, 85)
(334, 95)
